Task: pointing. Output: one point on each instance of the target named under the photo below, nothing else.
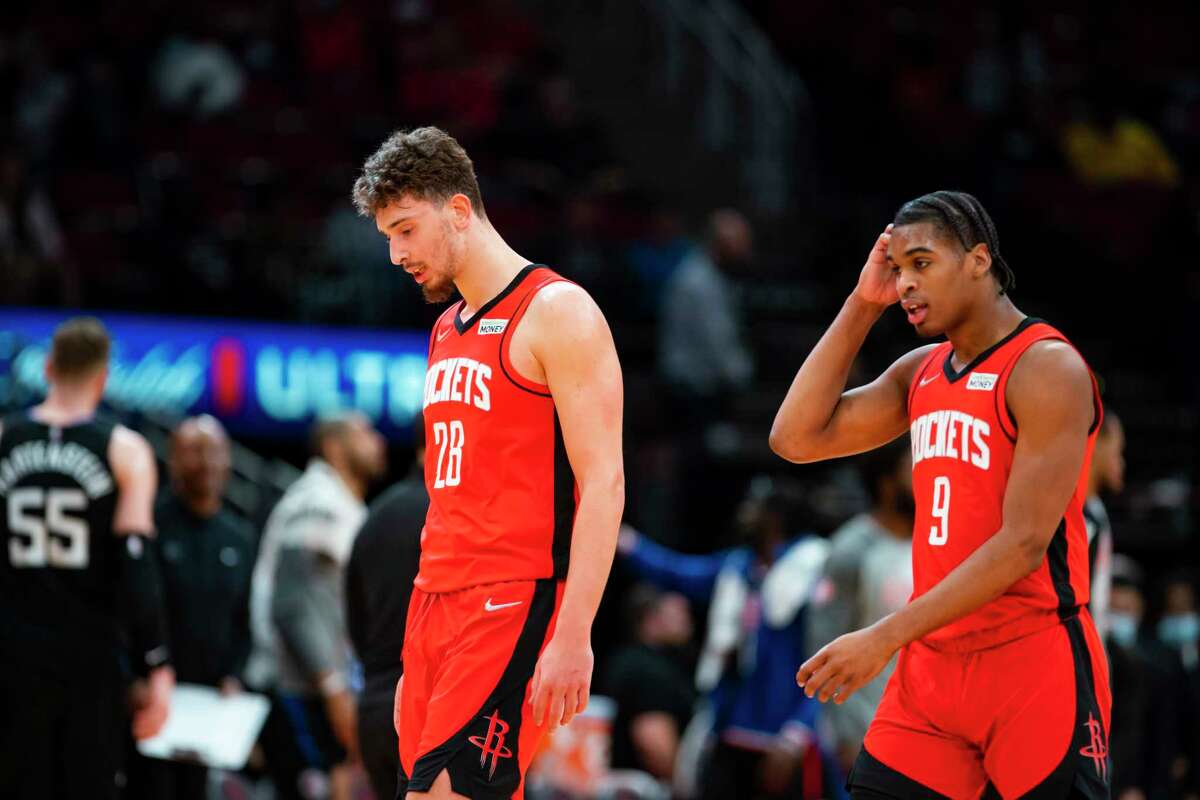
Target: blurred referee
(379, 581)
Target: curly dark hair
(426, 163)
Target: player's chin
(928, 329)
(437, 292)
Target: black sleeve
(240, 640)
(356, 612)
(142, 600)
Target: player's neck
(489, 266)
(203, 506)
(982, 329)
(353, 483)
(64, 406)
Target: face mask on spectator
(1178, 630)
(1122, 629)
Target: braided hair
(960, 216)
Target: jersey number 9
(938, 534)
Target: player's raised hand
(561, 681)
(876, 283)
(843, 666)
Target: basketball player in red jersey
(522, 414)
(1001, 687)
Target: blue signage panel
(261, 379)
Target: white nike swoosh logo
(443, 334)
(489, 606)
(928, 380)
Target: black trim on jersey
(1084, 770)
(953, 376)
(519, 385)
(463, 327)
(1005, 413)
(1006, 375)
(1097, 405)
(468, 775)
(518, 314)
(564, 503)
(1060, 572)
(878, 779)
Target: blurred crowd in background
(197, 159)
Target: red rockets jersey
(963, 438)
(502, 495)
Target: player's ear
(980, 259)
(460, 209)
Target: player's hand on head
(561, 681)
(845, 665)
(876, 283)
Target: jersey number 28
(450, 438)
(42, 532)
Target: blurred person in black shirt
(379, 581)
(206, 555)
(80, 597)
(1107, 475)
(652, 689)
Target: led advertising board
(260, 379)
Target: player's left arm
(142, 600)
(571, 341)
(1050, 395)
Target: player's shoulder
(904, 369)
(563, 306)
(1050, 378)
(1048, 361)
(127, 447)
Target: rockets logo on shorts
(492, 744)
(1096, 750)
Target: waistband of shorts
(483, 585)
(1002, 634)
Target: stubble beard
(439, 291)
(441, 288)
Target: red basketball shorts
(1028, 718)
(469, 657)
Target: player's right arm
(136, 476)
(819, 419)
